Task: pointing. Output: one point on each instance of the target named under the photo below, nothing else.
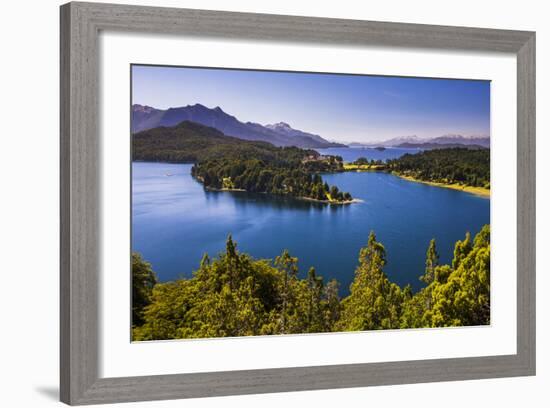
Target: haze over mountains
(431, 143)
(279, 134)
(285, 129)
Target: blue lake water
(350, 154)
(174, 222)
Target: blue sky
(348, 108)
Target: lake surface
(350, 154)
(174, 222)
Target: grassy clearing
(363, 167)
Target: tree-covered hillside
(469, 167)
(190, 142)
(224, 162)
(147, 117)
(237, 295)
(282, 175)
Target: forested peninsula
(460, 168)
(237, 295)
(226, 163)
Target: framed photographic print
(259, 203)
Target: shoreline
(478, 191)
(240, 190)
(359, 168)
(352, 201)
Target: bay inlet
(175, 221)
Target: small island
(283, 174)
(225, 163)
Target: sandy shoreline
(479, 191)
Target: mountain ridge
(285, 128)
(188, 142)
(147, 117)
(415, 141)
(433, 146)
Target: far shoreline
(478, 191)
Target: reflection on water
(272, 202)
(175, 221)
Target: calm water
(175, 222)
(350, 154)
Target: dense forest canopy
(234, 294)
(469, 167)
(223, 162)
(281, 176)
(237, 295)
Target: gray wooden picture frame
(80, 191)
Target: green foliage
(463, 298)
(374, 302)
(143, 281)
(224, 162)
(236, 295)
(285, 174)
(469, 167)
(432, 260)
(190, 142)
(361, 161)
(457, 295)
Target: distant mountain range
(279, 134)
(285, 129)
(484, 141)
(433, 146)
(431, 143)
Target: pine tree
(236, 295)
(315, 318)
(332, 304)
(374, 302)
(143, 281)
(432, 261)
(288, 266)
